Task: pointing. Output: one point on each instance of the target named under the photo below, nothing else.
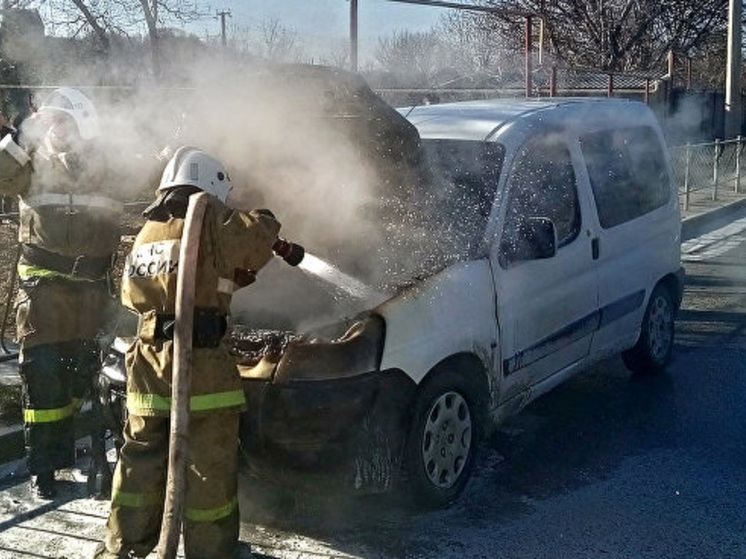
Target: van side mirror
(532, 239)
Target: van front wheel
(652, 352)
(442, 440)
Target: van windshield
(464, 179)
(441, 217)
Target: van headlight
(357, 351)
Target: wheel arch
(475, 375)
(469, 364)
(674, 282)
(654, 346)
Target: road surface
(607, 465)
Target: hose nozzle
(290, 252)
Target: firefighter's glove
(242, 277)
(265, 212)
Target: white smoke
(287, 148)
(310, 149)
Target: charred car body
(540, 236)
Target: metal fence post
(687, 163)
(739, 150)
(716, 156)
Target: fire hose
(173, 511)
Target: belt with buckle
(90, 267)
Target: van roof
(477, 120)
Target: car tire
(443, 438)
(652, 352)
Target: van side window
(627, 173)
(543, 185)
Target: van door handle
(594, 248)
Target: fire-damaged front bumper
(322, 416)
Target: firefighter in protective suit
(233, 246)
(69, 233)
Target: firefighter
(68, 233)
(234, 245)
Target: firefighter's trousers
(57, 323)
(56, 379)
(211, 516)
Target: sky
(320, 23)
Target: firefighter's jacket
(68, 210)
(69, 230)
(231, 243)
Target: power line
(470, 7)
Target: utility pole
(222, 15)
(353, 35)
(733, 76)
(155, 43)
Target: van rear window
(627, 171)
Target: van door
(637, 224)
(547, 306)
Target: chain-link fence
(709, 169)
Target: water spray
(317, 267)
(295, 255)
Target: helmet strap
(171, 203)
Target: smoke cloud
(339, 168)
(312, 144)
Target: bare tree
(104, 18)
(94, 24)
(277, 42)
(17, 4)
(475, 49)
(337, 55)
(415, 58)
(618, 35)
(269, 40)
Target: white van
(574, 256)
(583, 263)
(566, 224)
(584, 257)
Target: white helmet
(74, 103)
(190, 166)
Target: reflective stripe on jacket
(154, 404)
(72, 202)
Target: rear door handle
(594, 248)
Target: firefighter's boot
(44, 485)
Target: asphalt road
(608, 465)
